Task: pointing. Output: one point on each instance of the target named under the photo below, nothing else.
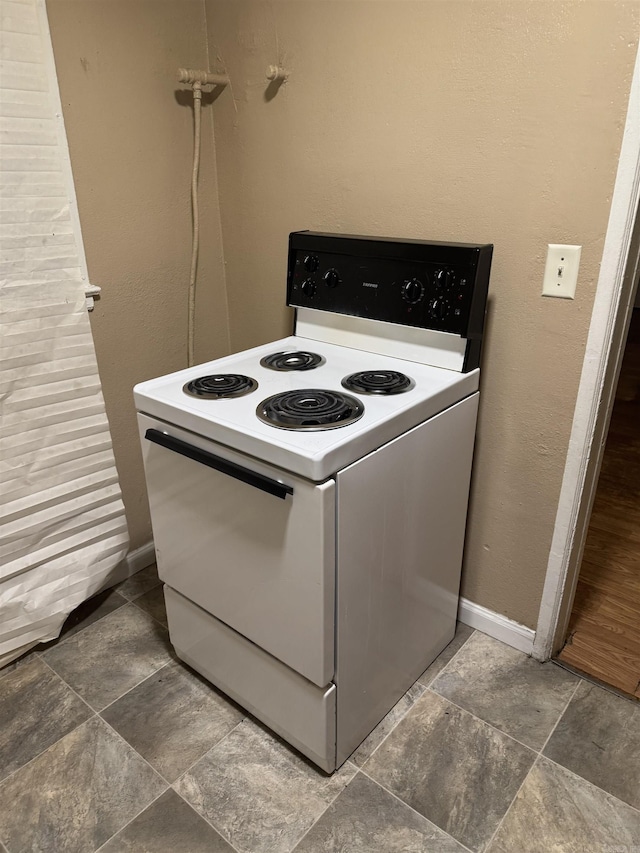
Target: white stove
(308, 496)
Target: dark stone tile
(457, 771)
(77, 794)
(111, 656)
(172, 719)
(386, 725)
(86, 614)
(557, 811)
(141, 582)
(598, 738)
(36, 710)
(364, 818)
(152, 602)
(169, 825)
(508, 689)
(26, 658)
(463, 632)
(258, 793)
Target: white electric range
(309, 496)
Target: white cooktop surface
(316, 455)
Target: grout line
(135, 686)
(170, 785)
(75, 692)
(92, 714)
(504, 816)
(394, 727)
(51, 745)
(129, 822)
(212, 824)
(142, 610)
(567, 769)
(325, 810)
(484, 722)
(204, 754)
(129, 689)
(591, 784)
(538, 758)
(222, 834)
(415, 811)
(139, 754)
(206, 820)
(137, 594)
(99, 715)
(561, 715)
(425, 687)
(450, 661)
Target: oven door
(251, 544)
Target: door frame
(613, 304)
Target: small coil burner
(294, 360)
(378, 382)
(220, 385)
(310, 409)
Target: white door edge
(597, 380)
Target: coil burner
(310, 409)
(378, 382)
(219, 386)
(294, 360)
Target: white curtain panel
(62, 522)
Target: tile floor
(108, 743)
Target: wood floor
(604, 632)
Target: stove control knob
(444, 279)
(311, 263)
(439, 308)
(331, 278)
(308, 287)
(413, 291)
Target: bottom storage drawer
(296, 709)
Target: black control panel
(440, 286)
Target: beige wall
(469, 120)
(130, 141)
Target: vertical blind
(62, 522)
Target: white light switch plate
(561, 271)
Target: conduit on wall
(196, 79)
(62, 522)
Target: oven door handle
(259, 481)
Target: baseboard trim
(135, 561)
(497, 626)
(139, 559)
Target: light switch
(561, 271)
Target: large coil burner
(310, 409)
